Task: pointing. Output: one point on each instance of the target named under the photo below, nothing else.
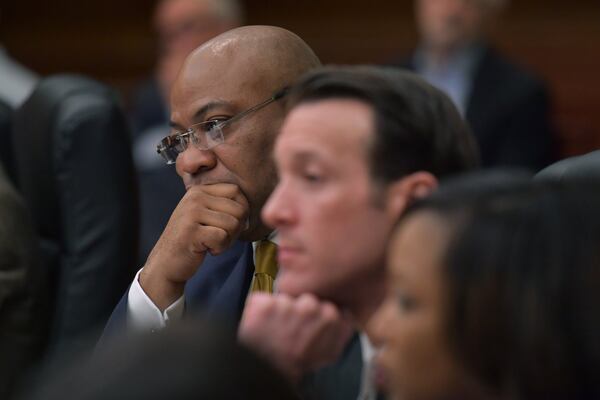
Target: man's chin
(286, 284)
(295, 286)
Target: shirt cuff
(142, 313)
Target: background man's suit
(509, 112)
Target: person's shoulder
(512, 73)
(403, 61)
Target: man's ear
(404, 191)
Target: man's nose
(278, 211)
(378, 324)
(193, 161)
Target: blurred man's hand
(298, 335)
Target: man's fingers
(220, 220)
(207, 222)
(215, 240)
(307, 306)
(199, 200)
(322, 334)
(225, 190)
(257, 305)
(297, 334)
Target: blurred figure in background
(508, 108)
(181, 25)
(504, 302)
(16, 81)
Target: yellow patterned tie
(266, 267)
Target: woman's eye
(312, 177)
(406, 303)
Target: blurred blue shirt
(455, 77)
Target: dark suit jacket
(338, 381)
(509, 113)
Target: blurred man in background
(16, 81)
(181, 26)
(507, 107)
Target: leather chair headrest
(585, 169)
(6, 151)
(70, 128)
(75, 172)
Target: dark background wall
(112, 41)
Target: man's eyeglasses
(208, 134)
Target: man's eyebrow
(304, 157)
(202, 111)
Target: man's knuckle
(308, 305)
(330, 314)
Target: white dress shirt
(368, 391)
(455, 77)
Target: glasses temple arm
(278, 95)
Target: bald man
(226, 112)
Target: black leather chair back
(75, 172)
(6, 150)
(584, 169)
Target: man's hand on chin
(298, 335)
(208, 218)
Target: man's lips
(286, 253)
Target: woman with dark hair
(494, 292)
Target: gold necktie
(266, 267)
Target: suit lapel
(221, 285)
(231, 298)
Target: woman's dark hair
(522, 268)
(417, 127)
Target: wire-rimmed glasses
(208, 134)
